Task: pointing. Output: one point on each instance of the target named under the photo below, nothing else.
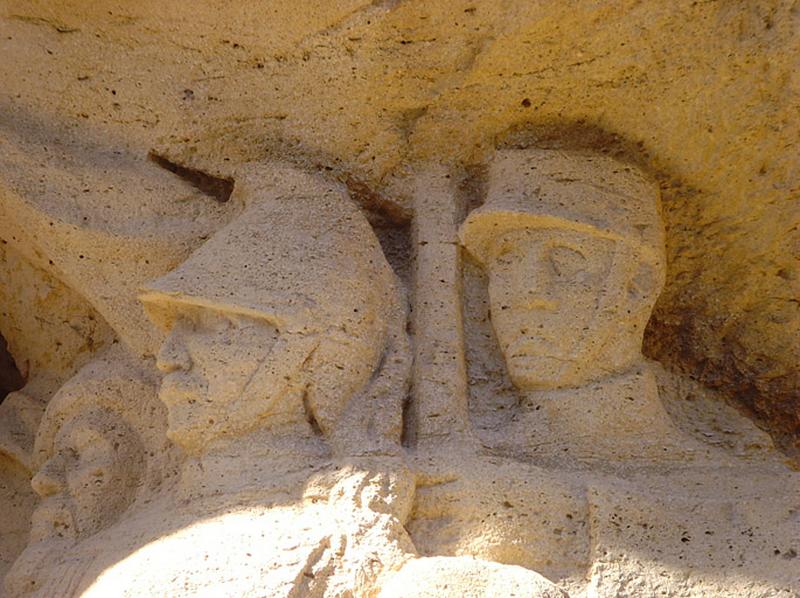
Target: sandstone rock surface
(399, 298)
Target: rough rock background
(703, 94)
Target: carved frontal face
(89, 479)
(211, 363)
(566, 306)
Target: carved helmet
(297, 255)
(580, 191)
(114, 382)
(302, 257)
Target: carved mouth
(533, 347)
(179, 387)
(54, 518)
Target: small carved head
(90, 477)
(572, 245)
(91, 458)
(286, 309)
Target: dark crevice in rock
(391, 224)
(217, 187)
(772, 401)
(407, 435)
(380, 211)
(396, 244)
(309, 413)
(10, 377)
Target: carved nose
(173, 356)
(49, 480)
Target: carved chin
(182, 434)
(54, 519)
(187, 429)
(540, 372)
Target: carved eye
(92, 452)
(503, 254)
(70, 457)
(91, 447)
(211, 321)
(85, 439)
(567, 262)
(642, 284)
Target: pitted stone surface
(349, 298)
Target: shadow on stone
(10, 377)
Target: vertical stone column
(439, 406)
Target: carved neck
(610, 418)
(635, 380)
(264, 460)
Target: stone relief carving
(565, 261)
(279, 323)
(286, 354)
(96, 452)
(292, 449)
(17, 499)
(573, 249)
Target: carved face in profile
(214, 363)
(278, 321)
(94, 449)
(566, 306)
(89, 479)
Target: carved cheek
(225, 385)
(226, 366)
(501, 297)
(91, 476)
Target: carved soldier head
(90, 453)
(288, 308)
(572, 244)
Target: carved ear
(372, 421)
(642, 289)
(338, 369)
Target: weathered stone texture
(706, 92)
(372, 279)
